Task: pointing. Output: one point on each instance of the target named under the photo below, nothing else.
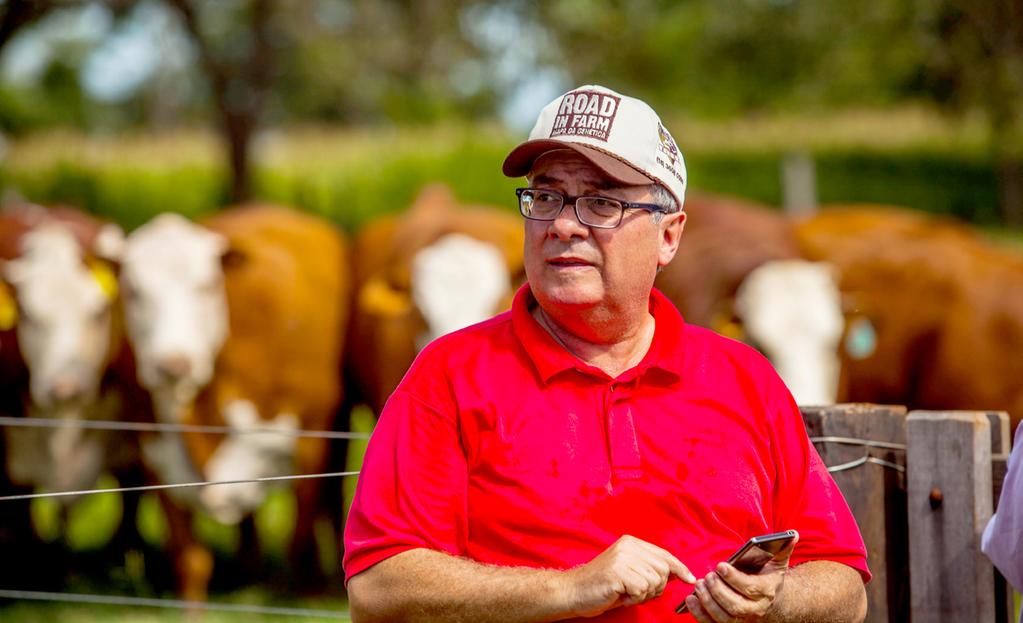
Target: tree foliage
(260, 63)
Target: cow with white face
(438, 267)
(61, 308)
(792, 310)
(64, 333)
(59, 338)
(739, 271)
(457, 281)
(237, 321)
(175, 308)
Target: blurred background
(347, 109)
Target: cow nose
(173, 366)
(65, 388)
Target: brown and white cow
(237, 321)
(738, 271)
(58, 337)
(431, 270)
(934, 310)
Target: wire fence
(178, 485)
(183, 605)
(156, 427)
(866, 458)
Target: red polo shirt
(502, 447)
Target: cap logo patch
(586, 114)
(668, 156)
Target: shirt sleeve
(1003, 537)
(806, 498)
(412, 488)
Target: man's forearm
(425, 585)
(820, 592)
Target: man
(587, 453)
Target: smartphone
(754, 555)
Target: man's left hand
(727, 594)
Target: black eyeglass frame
(568, 199)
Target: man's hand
(727, 594)
(629, 572)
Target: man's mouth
(568, 262)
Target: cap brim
(520, 161)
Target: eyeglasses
(539, 204)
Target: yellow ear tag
(105, 278)
(379, 298)
(733, 330)
(8, 309)
(728, 326)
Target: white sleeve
(1003, 537)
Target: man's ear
(671, 235)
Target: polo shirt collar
(550, 358)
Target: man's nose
(566, 224)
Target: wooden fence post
(949, 477)
(876, 494)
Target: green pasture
(909, 158)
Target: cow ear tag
(8, 309)
(379, 298)
(861, 338)
(105, 278)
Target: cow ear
(233, 258)
(13, 272)
(109, 243)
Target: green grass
(908, 157)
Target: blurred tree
(235, 40)
(51, 92)
(975, 60)
(14, 14)
(728, 57)
(382, 60)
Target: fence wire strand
(156, 427)
(180, 485)
(863, 460)
(853, 441)
(866, 458)
(174, 604)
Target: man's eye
(546, 197)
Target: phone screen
(759, 551)
(754, 555)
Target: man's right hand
(629, 572)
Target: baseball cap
(620, 135)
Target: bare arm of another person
(426, 585)
(819, 591)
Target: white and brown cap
(620, 135)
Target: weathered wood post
(876, 491)
(949, 477)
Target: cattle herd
(268, 321)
